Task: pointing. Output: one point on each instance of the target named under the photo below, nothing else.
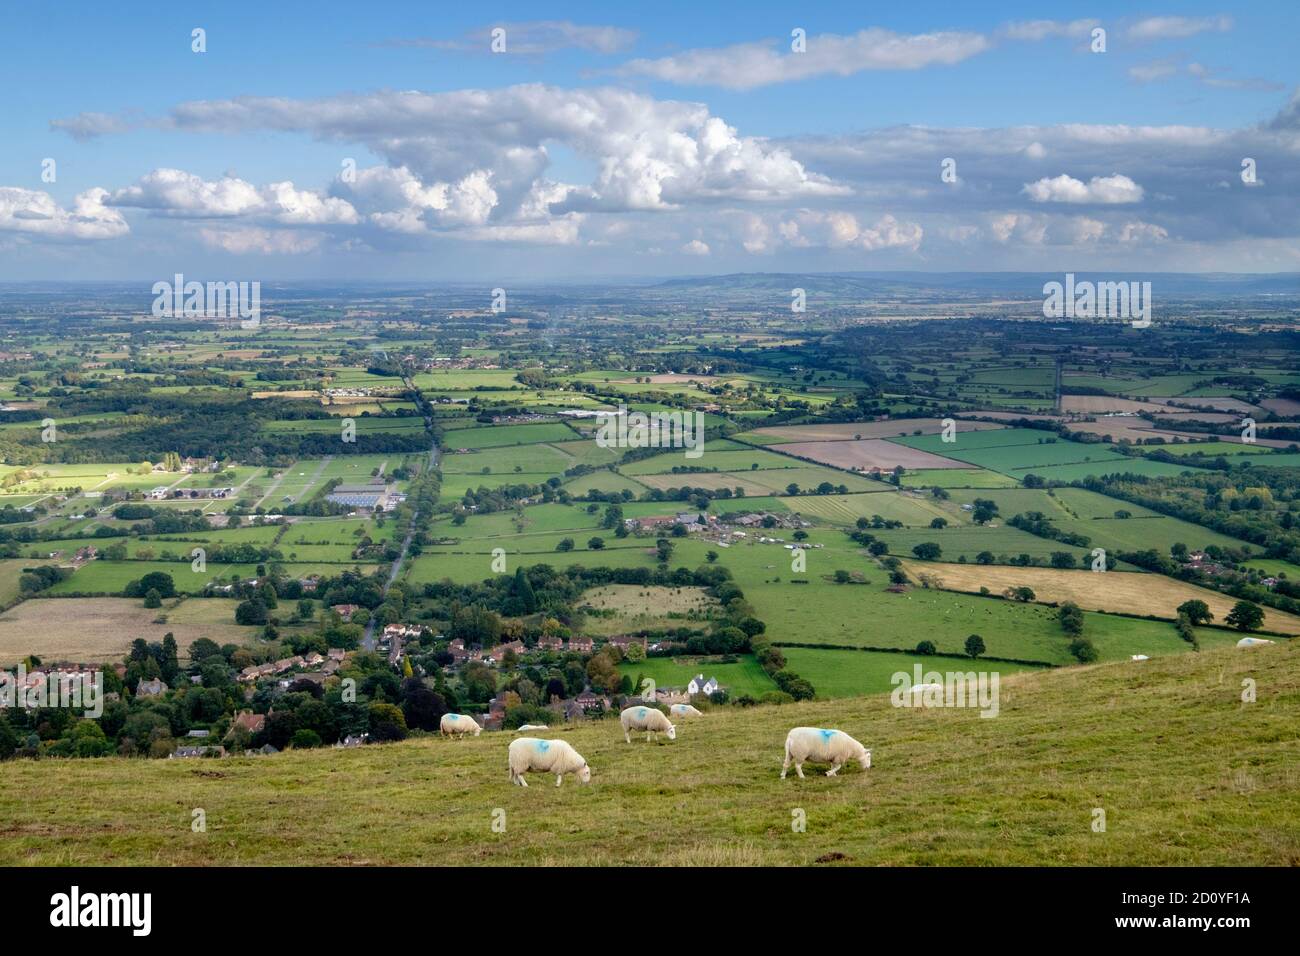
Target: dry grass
(99, 630)
(1121, 592)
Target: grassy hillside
(1186, 773)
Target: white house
(699, 685)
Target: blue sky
(616, 141)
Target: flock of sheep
(535, 754)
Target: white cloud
(745, 66)
(36, 213)
(1142, 232)
(1176, 28)
(1043, 29)
(1099, 189)
(696, 248)
(837, 230)
(247, 240)
(533, 37)
(174, 192)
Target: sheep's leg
(559, 779)
(649, 735)
(522, 781)
(835, 768)
(799, 767)
(627, 735)
(785, 766)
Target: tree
(926, 647)
(304, 739)
(595, 544)
(974, 645)
(153, 598)
(985, 557)
(566, 544)
(523, 592)
(1064, 560)
(927, 551)
(1083, 650)
(938, 523)
(1245, 616)
(1198, 612)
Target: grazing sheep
(546, 756)
(684, 710)
(458, 725)
(1253, 642)
(532, 727)
(649, 719)
(822, 746)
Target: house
(401, 630)
(624, 641)
(699, 685)
(189, 752)
(248, 721)
(582, 645)
(199, 733)
(150, 688)
(336, 654)
(345, 611)
(516, 646)
(313, 660)
(550, 642)
(588, 700)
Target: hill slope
(1186, 773)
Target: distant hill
(1185, 772)
(1029, 284)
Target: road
(368, 639)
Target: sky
(336, 140)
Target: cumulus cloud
(696, 248)
(838, 230)
(1176, 28)
(176, 193)
(651, 154)
(36, 213)
(745, 66)
(1142, 232)
(1099, 189)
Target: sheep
(547, 756)
(649, 719)
(521, 729)
(822, 746)
(457, 725)
(684, 710)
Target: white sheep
(649, 719)
(822, 746)
(684, 710)
(458, 725)
(546, 756)
(532, 727)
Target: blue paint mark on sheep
(640, 714)
(827, 735)
(542, 746)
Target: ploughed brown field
(868, 453)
